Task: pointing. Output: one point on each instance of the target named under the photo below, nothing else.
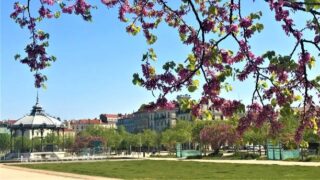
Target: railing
(75, 158)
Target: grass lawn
(151, 169)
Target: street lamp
(139, 144)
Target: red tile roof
(110, 122)
(86, 121)
(8, 121)
(111, 115)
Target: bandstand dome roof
(37, 119)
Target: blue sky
(96, 60)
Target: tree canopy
(4, 142)
(281, 80)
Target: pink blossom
(245, 22)
(50, 2)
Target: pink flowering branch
(279, 79)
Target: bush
(194, 157)
(162, 156)
(215, 155)
(315, 158)
(263, 158)
(242, 155)
(292, 159)
(307, 159)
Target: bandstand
(37, 124)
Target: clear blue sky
(96, 61)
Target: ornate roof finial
(37, 109)
(37, 102)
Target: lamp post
(58, 134)
(63, 139)
(41, 132)
(32, 134)
(22, 137)
(11, 150)
(139, 145)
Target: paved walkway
(18, 173)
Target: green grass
(150, 169)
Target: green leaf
(213, 10)
(256, 15)
(269, 55)
(62, 5)
(228, 71)
(43, 86)
(53, 58)
(144, 56)
(17, 56)
(183, 36)
(57, 14)
(312, 4)
(152, 39)
(191, 58)
(227, 87)
(298, 98)
(191, 67)
(259, 27)
(136, 79)
(45, 44)
(152, 54)
(274, 102)
(157, 22)
(185, 104)
(241, 108)
(195, 82)
(133, 29)
(312, 62)
(264, 84)
(169, 65)
(207, 115)
(194, 86)
(180, 66)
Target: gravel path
(18, 173)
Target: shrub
(162, 156)
(194, 157)
(215, 155)
(242, 155)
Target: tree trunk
(205, 150)
(259, 150)
(318, 150)
(216, 151)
